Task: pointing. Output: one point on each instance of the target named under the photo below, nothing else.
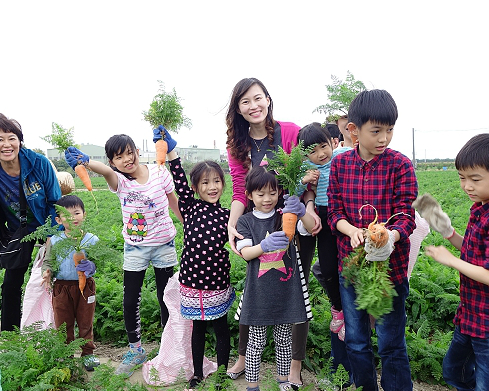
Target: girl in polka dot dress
(205, 289)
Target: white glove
(379, 254)
(431, 211)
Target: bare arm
(251, 252)
(237, 210)
(355, 234)
(456, 240)
(310, 196)
(442, 255)
(173, 204)
(107, 172)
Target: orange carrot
(289, 220)
(376, 231)
(82, 173)
(161, 150)
(82, 279)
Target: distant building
(193, 155)
(95, 152)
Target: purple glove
(87, 267)
(74, 157)
(165, 136)
(276, 241)
(294, 205)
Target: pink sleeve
(238, 175)
(289, 132)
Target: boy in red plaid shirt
(373, 174)
(466, 364)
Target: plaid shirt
(473, 312)
(388, 183)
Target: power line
(451, 130)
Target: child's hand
(356, 237)
(379, 254)
(157, 135)
(440, 254)
(294, 205)
(312, 177)
(431, 211)
(46, 279)
(276, 241)
(87, 267)
(74, 157)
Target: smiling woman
(28, 190)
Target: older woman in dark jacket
(41, 189)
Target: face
(264, 199)
(475, 182)
(321, 154)
(9, 146)
(76, 217)
(342, 125)
(210, 187)
(127, 161)
(253, 105)
(373, 138)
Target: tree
(39, 151)
(340, 95)
(60, 137)
(166, 110)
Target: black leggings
(223, 344)
(133, 281)
(12, 297)
(328, 260)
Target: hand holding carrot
(275, 241)
(379, 254)
(294, 205)
(74, 157)
(87, 267)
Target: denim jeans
(396, 373)
(466, 364)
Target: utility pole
(414, 154)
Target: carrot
(289, 220)
(376, 231)
(82, 173)
(161, 150)
(82, 279)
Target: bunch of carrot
(374, 289)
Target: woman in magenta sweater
(252, 134)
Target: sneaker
(338, 320)
(130, 360)
(90, 362)
(194, 382)
(326, 384)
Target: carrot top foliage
(291, 168)
(166, 110)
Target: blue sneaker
(90, 362)
(129, 362)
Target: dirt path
(113, 356)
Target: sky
(95, 65)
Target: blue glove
(294, 205)
(276, 241)
(166, 136)
(87, 267)
(74, 157)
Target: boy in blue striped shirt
(320, 157)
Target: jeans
(396, 373)
(466, 364)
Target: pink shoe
(337, 322)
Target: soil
(113, 356)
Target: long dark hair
(238, 138)
(258, 178)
